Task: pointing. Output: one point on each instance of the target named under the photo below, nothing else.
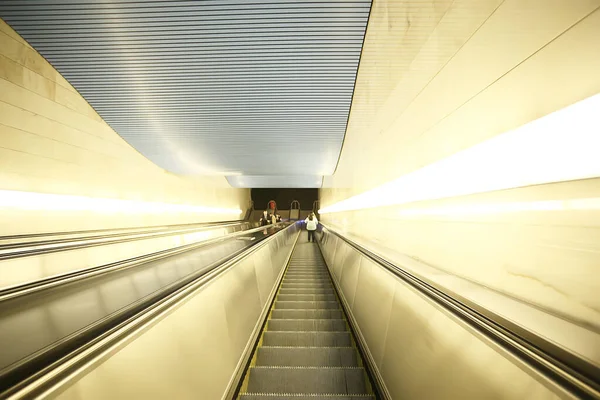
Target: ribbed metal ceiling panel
(223, 87)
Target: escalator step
(306, 350)
(306, 297)
(307, 339)
(307, 356)
(301, 285)
(300, 271)
(303, 325)
(305, 279)
(307, 380)
(306, 291)
(278, 396)
(309, 282)
(306, 305)
(308, 314)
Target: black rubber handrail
(571, 372)
(21, 374)
(99, 231)
(28, 288)
(72, 243)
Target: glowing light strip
(558, 147)
(508, 207)
(59, 202)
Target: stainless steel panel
(22, 270)
(194, 351)
(420, 350)
(338, 261)
(372, 306)
(423, 342)
(243, 289)
(349, 279)
(65, 310)
(265, 275)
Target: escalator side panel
(197, 349)
(416, 349)
(23, 270)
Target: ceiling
(258, 91)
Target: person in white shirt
(265, 219)
(311, 226)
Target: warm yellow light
(59, 202)
(506, 207)
(558, 147)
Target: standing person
(264, 219)
(311, 226)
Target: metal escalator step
(291, 285)
(306, 271)
(327, 325)
(279, 396)
(304, 297)
(307, 339)
(319, 271)
(289, 279)
(303, 274)
(320, 282)
(306, 291)
(307, 356)
(306, 305)
(307, 380)
(307, 277)
(308, 314)
(309, 263)
(307, 260)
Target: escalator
(306, 348)
(44, 324)
(274, 323)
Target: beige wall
(52, 141)
(437, 77)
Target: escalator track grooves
(306, 348)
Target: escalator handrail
(116, 334)
(12, 292)
(101, 232)
(570, 371)
(100, 240)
